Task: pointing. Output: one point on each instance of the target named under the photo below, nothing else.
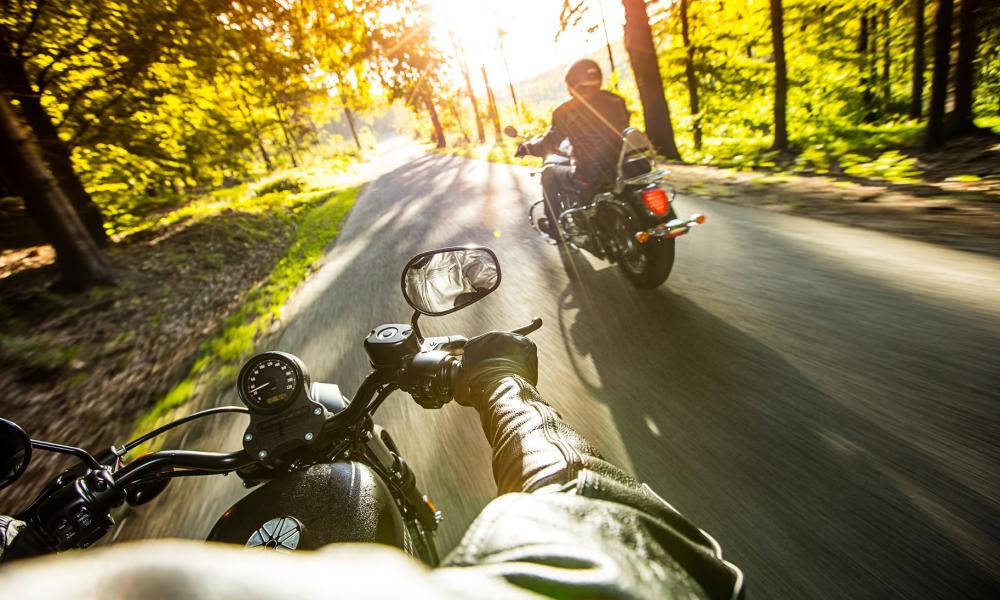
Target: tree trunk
(80, 261)
(14, 78)
(868, 42)
(886, 64)
(968, 44)
(919, 60)
(780, 77)
(458, 118)
(350, 123)
(257, 134)
(935, 134)
(692, 79)
(510, 80)
(289, 142)
(460, 57)
(646, 69)
(438, 130)
(492, 104)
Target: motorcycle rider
(567, 524)
(593, 120)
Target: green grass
(130, 213)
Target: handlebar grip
(535, 325)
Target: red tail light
(656, 201)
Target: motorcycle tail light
(656, 201)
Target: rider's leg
(556, 179)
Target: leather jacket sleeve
(9, 528)
(532, 446)
(570, 524)
(550, 141)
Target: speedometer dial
(269, 382)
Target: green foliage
(844, 115)
(287, 183)
(156, 99)
(318, 215)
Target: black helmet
(583, 73)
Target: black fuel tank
(344, 501)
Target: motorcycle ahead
(633, 224)
(324, 472)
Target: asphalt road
(823, 400)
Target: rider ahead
(568, 524)
(593, 120)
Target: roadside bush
(286, 183)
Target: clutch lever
(535, 325)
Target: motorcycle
(323, 470)
(633, 223)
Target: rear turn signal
(699, 219)
(656, 201)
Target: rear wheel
(645, 265)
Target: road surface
(824, 400)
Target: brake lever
(535, 325)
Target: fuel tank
(344, 501)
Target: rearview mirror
(15, 452)
(510, 131)
(442, 281)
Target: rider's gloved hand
(491, 357)
(522, 150)
(9, 528)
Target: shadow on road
(741, 440)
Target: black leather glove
(9, 528)
(491, 357)
(522, 150)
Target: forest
(808, 84)
(112, 108)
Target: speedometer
(269, 382)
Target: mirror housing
(442, 281)
(510, 131)
(15, 452)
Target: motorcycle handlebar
(150, 465)
(435, 376)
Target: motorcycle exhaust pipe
(671, 229)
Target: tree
(968, 42)
(919, 60)
(411, 66)
(439, 138)
(15, 80)
(934, 134)
(492, 105)
(460, 58)
(646, 68)
(886, 63)
(780, 77)
(692, 79)
(77, 256)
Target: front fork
(384, 456)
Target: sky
(530, 25)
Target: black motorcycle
(326, 472)
(632, 224)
